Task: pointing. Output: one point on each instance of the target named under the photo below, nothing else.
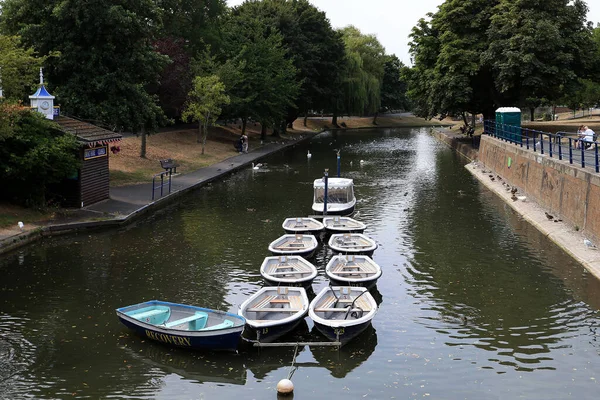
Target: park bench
(169, 165)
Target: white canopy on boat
(334, 183)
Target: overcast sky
(391, 20)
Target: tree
(260, 78)
(364, 72)
(195, 22)
(538, 49)
(449, 76)
(107, 60)
(20, 68)
(175, 78)
(315, 48)
(393, 88)
(204, 105)
(34, 153)
(476, 55)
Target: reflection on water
(343, 361)
(470, 293)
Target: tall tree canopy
(315, 48)
(538, 49)
(393, 88)
(260, 78)
(476, 55)
(107, 60)
(365, 58)
(20, 68)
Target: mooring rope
(293, 368)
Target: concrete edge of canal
(565, 236)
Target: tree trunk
(305, 117)
(473, 119)
(275, 129)
(263, 131)
(204, 135)
(244, 122)
(531, 113)
(143, 149)
(375, 118)
(334, 119)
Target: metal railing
(162, 183)
(576, 150)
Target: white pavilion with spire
(43, 101)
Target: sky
(391, 20)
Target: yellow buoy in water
(285, 387)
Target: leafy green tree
(204, 105)
(260, 78)
(107, 60)
(195, 22)
(538, 49)
(393, 88)
(364, 72)
(34, 153)
(449, 76)
(20, 68)
(315, 48)
(476, 55)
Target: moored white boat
(352, 243)
(305, 225)
(340, 224)
(352, 270)
(341, 312)
(288, 271)
(295, 245)
(274, 311)
(340, 196)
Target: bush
(547, 117)
(34, 153)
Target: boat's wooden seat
(195, 322)
(148, 314)
(279, 301)
(353, 272)
(274, 309)
(223, 325)
(287, 273)
(263, 301)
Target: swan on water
(308, 155)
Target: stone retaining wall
(568, 192)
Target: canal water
(474, 302)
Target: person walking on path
(244, 143)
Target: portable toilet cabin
(508, 123)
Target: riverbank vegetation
(473, 56)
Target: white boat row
(331, 224)
(339, 312)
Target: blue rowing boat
(183, 325)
